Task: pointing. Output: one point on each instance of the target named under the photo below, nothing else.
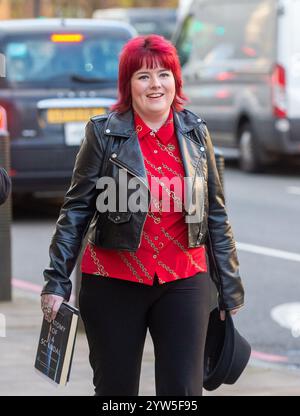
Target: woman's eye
(165, 74)
(143, 77)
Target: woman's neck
(154, 121)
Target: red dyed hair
(151, 50)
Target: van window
(40, 60)
(184, 43)
(228, 31)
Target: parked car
(241, 70)
(59, 73)
(146, 20)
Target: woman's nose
(155, 82)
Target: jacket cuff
(231, 304)
(63, 289)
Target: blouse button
(156, 237)
(155, 151)
(154, 256)
(160, 245)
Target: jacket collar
(164, 133)
(123, 124)
(130, 154)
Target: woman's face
(152, 91)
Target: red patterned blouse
(164, 245)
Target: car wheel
(249, 159)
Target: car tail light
(279, 91)
(66, 37)
(3, 119)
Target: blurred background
(16, 9)
(241, 70)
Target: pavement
(18, 348)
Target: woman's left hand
(232, 312)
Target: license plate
(74, 133)
(66, 115)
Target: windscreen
(59, 60)
(228, 30)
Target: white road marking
(287, 315)
(295, 190)
(266, 251)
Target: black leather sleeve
(5, 185)
(231, 292)
(75, 216)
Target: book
(56, 345)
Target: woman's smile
(155, 96)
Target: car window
(146, 26)
(39, 59)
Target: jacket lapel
(130, 153)
(189, 149)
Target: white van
(241, 70)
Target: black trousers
(116, 315)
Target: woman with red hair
(146, 192)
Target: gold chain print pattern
(150, 242)
(178, 244)
(176, 199)
(164, 266)
(173, 171)
(131, 268)
(155, 219)
(153, 166)
(154, 201)
(100, 268)
(170, 153)
(141, 265)
(160, 171)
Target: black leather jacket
(111, 144)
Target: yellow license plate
(66, 115)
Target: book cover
(56, 345)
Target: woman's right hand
(50, 305)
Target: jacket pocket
(119, 217)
